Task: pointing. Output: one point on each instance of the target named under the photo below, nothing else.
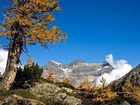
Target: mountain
(132, 77)
(78, 71)
(128, 87)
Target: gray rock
(18, 100)
(54, 94)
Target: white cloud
(3, 60)
(121, 67)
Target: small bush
(66, 81)
(51, 76)
(103, 94)
(131, 92)
(97, 94)
(26, 77)
(87, 85)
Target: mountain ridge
(78, 70)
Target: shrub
(51, 76)
(66, 81)
(131, 92)
(103, 94)
(98, 94)
(26, 77)
(33, 73)
(87, 85)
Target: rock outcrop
(53, 94)
(18, 100)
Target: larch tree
(27, 22)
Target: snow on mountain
(77, 71)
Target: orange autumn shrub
(131, 92)
(51, 76)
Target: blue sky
(95, 29)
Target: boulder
(54, 94)
(18, 100)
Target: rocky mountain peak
(78, 70)
(77, 61)
(53, 62)
(106, 64)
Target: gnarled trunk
(15, 48)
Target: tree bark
(14, 53)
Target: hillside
(124, 91)
(133, 77)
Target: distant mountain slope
(128, 87)
(78, 71)
(133, 77)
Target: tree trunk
(15, 49)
